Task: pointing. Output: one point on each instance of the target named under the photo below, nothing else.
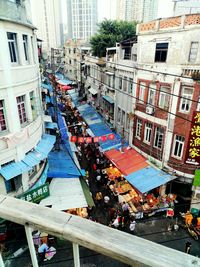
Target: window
(33, 49)
(151, 95)
(158, 140)
(123, 117)
(32, 172)
(33, 105)
(2, 116)
(127, 122)
(125, 84)
(178, 146)
(14, 184)
(186, 98)
(142, 92)
(161, 52)
(120, 82)
(118, 115)
(21, 109)
(193, 51)
(164, 97)
(130, 86)
(12, 44)
(138, 129)
(25, 44)
(147, 132)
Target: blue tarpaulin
(51, 125)
(148, 178)
(47, 86)
(64, 81)
(108, 99)
(61, 165)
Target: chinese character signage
(37, 194)
(193, 152)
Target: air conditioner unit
(149, 110)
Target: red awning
(66, 87)
(127, 162)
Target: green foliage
(110, 32)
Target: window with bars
(158, 138)
(21, 109)
(138, 129)
(186, 99)
(124, 83)
(127, 122)
(120, 82)
(123, 118)
(164, 97)
(25, 45)
(142, 92)
(147, 132)
(12, 44)
(193, 51)
(178, 146)
(2, 117)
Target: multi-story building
(82, 19)
(167, 96)
(47, 18)
(137, 10)
(181, 7)
(22, 162)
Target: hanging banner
(193, 151)
(95, 139)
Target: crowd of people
(107, 209)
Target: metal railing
(116, 244)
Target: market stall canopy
(93, 91)
(127, 162)
(64, 82)
(65, 194)
(66, 87)
(148, 178)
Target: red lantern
(80, 139)
(111, 137)
(96, 139)
(88, 140)
(73, 139)
(103, 138)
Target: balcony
(126, 248)
(193, 72)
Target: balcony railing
(116, 244)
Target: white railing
(116, 244)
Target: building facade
(82, 19)
(47, 17)
(137, 10)
(167, 94)
(21, 123)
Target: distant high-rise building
(46, 15)
(81, 18)
(150, 10)
(186, 7)
(137, 10)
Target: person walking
(132, 225)
(188, 247)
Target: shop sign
(196, 181)
(37, 194)
(193, 151)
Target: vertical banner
(193, 150)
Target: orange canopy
(127, 162)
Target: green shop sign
(37, 194)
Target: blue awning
(47, 86)
(51, 125)
(108, 99)
(148, 178)
(47, 99)
(61, 165)
(13, 169)
(64, 82)
(45, 145)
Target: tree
(109, 33)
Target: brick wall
(192, 19)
